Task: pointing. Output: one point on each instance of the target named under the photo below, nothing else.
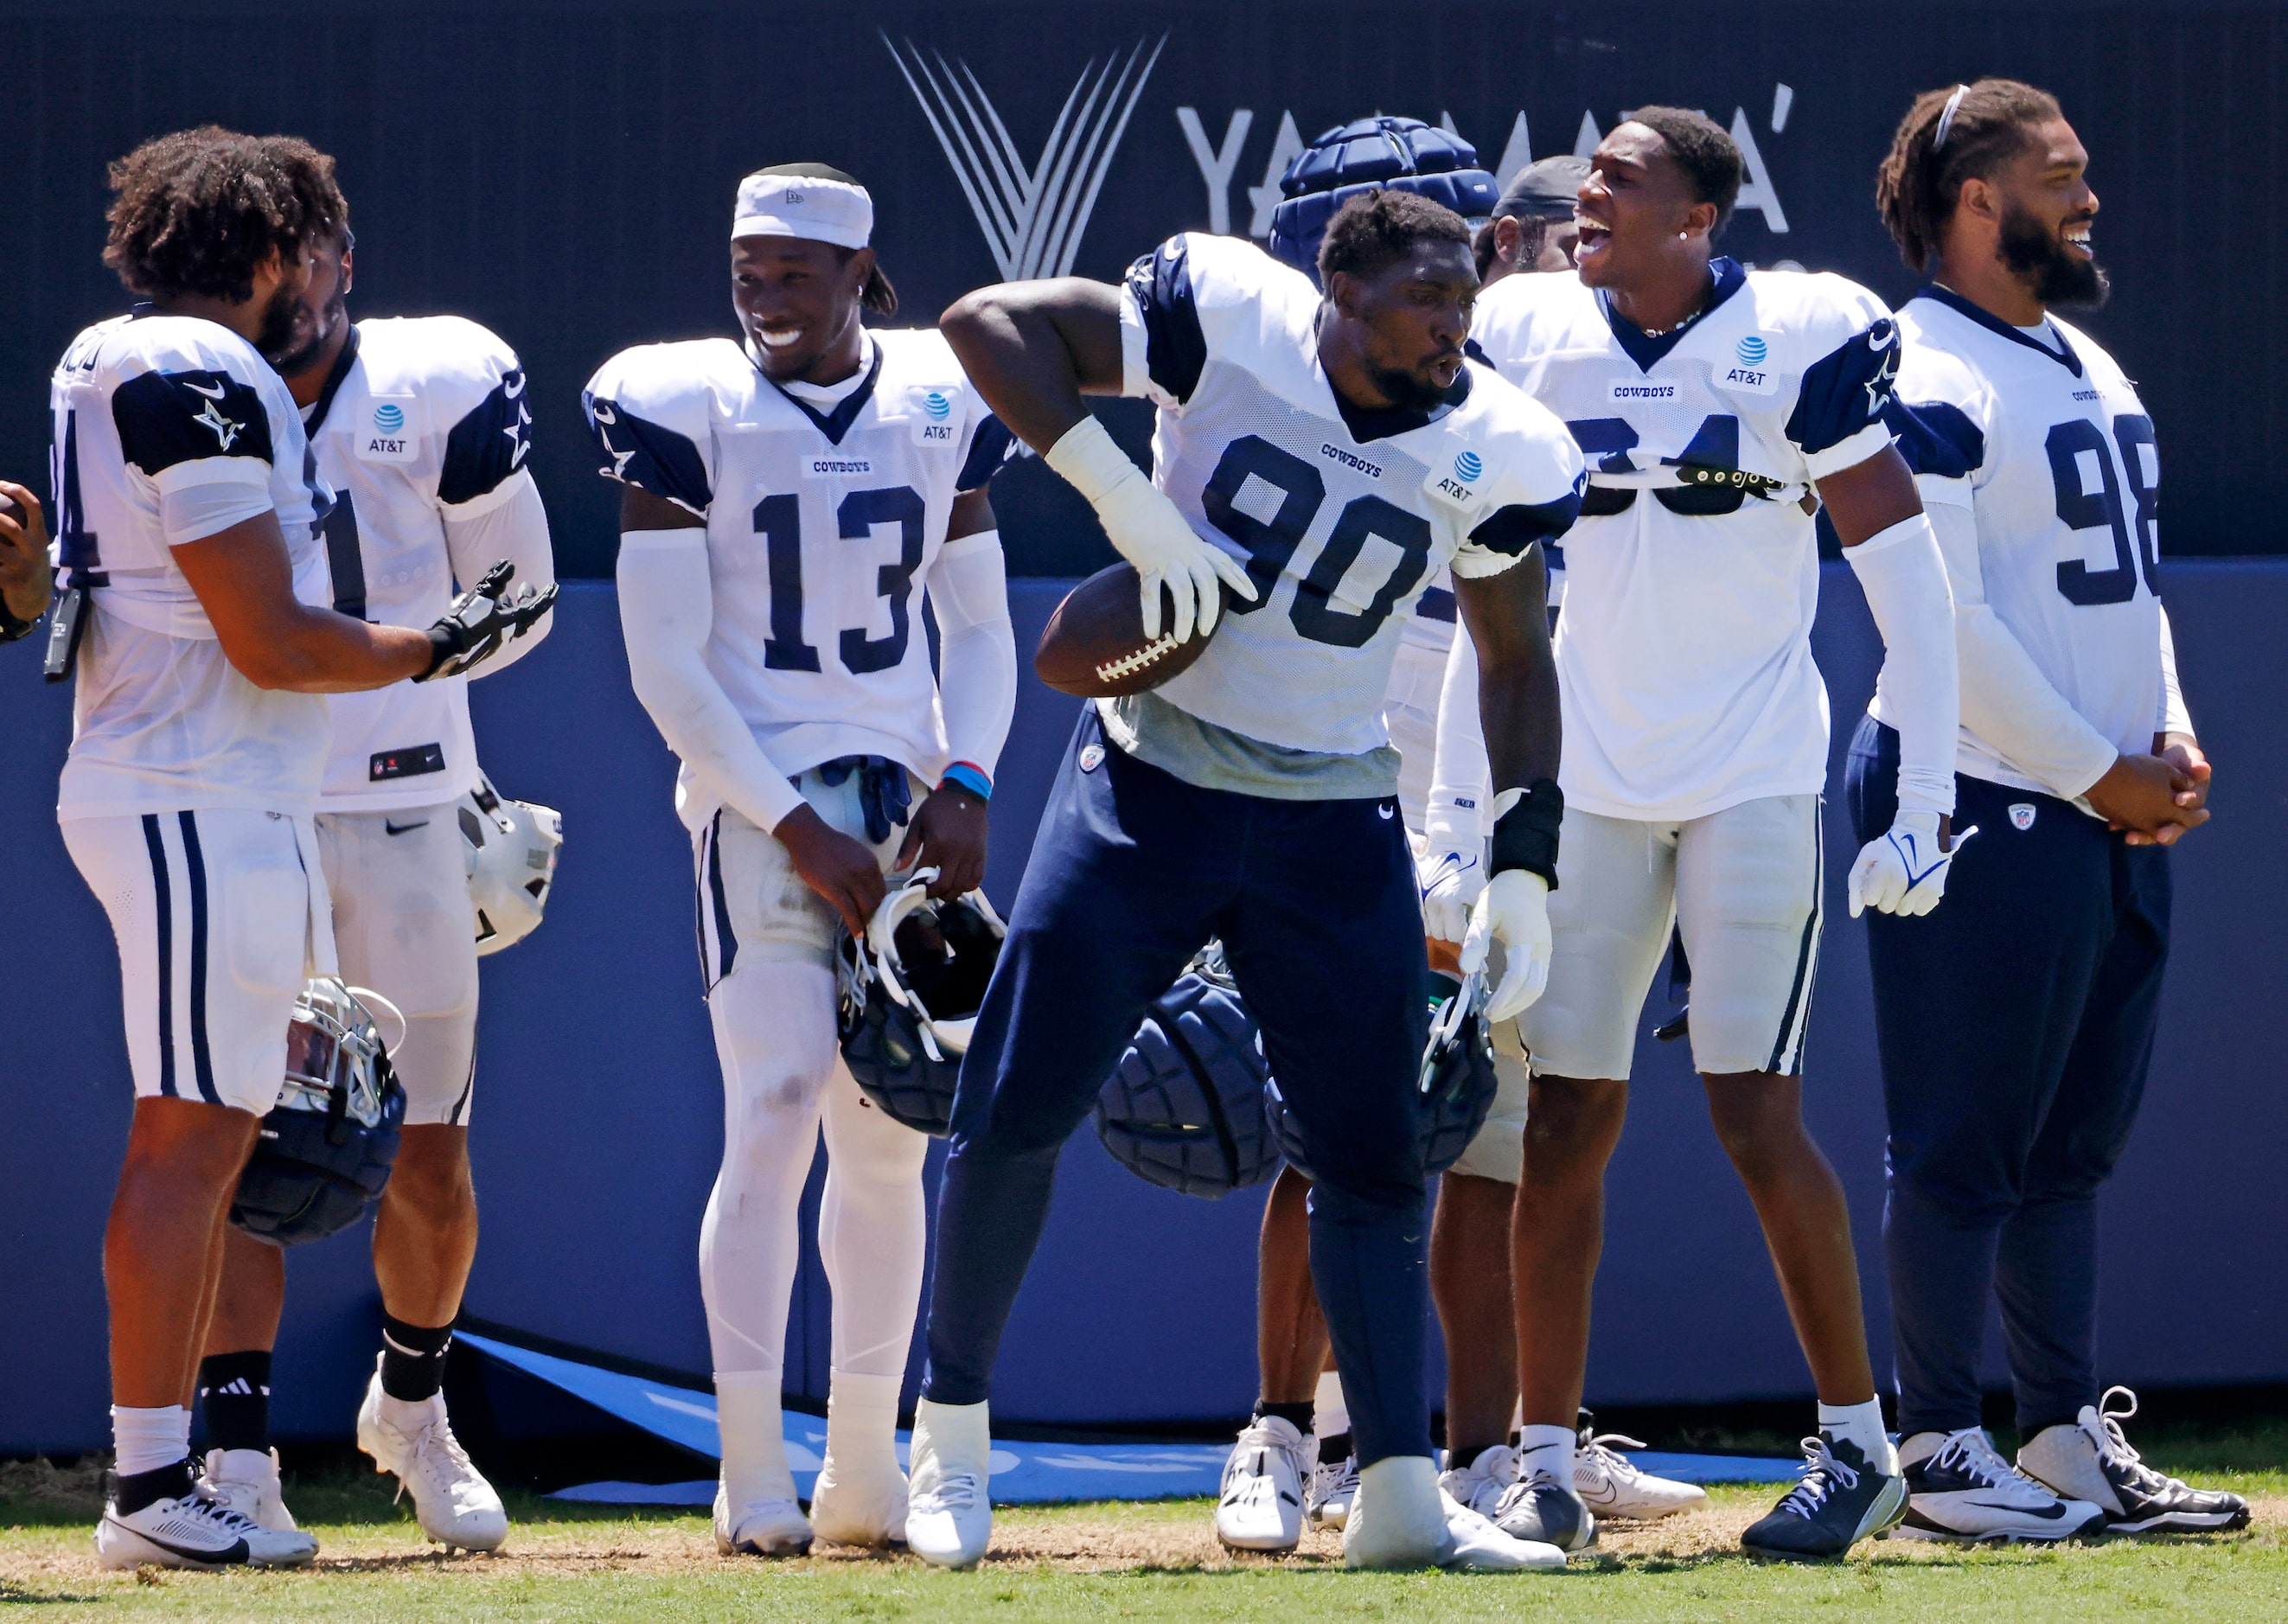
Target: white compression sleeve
(2174, 717)
(977, 651)
(1460, 776)
(513, 526)
(2007, 701)
(1904, 577)
(666, 610)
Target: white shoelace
(1821, 1473)
(2116, 1448)
(958, 1492)
(424, 1449)
(1974, 1452)
(1601, 1451)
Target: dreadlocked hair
(877, 296)
(1920, 181)
(195, 212)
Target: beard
(275, 341)
(1407, 392)
(2059, 274)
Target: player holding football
(189, 513)
(789, 498)
(1320, 458)
(1716, 408)
(422, 429)
(2017, 1022)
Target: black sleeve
(989, 448)
(1935, 437)
(647, 456)
(1846, 390)
(488, 444)
(1175, 347)
(1510, 530)
(169, 418)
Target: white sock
(1863, 1425)
(1330, 1417)
(861, 1426)
(754, 1437)
(1545, 1449)
(145, 1440)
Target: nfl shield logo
(2021, 816)
(1092, 757)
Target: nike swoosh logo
(233, 1552)
(2050, 1513)
(1384, 812)
(403, 828)
(214, 393)
(511, 393)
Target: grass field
(1123, 1561)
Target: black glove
(482, 622)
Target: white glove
(1903, 870)
(1451, 882)
(1515, 908)
(1149, 532)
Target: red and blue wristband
(970, 777)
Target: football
(1095, 645)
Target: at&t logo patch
(1467, 467)
(1752, 351)
(389, 417)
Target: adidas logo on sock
(236, 1388)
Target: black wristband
(11, 628)
(444, 645)
(1526, 835)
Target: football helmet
(1183, 1108)
(1399, 155)
(510, 849)
(1456, 1081)
(325, 1151)
(909, 993)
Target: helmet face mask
(325, 1151)
(909, 993)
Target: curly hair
(195, 212)
(1700, 148)
(1377, 229)
(1919, 182)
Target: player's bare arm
(1517, 674)
(948, 831)
(245, 582)
(25, 577)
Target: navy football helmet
(1456, 1080)
(325, 1151)
(910, 997)
(1401, 154)
(1183, 1108)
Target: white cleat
(455, 1506)
(949, 1519)
(247, 1481)
(1481, 1483)
(1327, 1497)
(1960, 1490)
(1398, 1518)
(859, 1508)
(1261, 1506)
(1612, 1487)
(762, 1528)
(191, 1531)
(1473, 1544)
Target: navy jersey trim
(837, 423)
(1935, 437)
(1994, 324)
(165, 418)
(645, 455)
(195, 864)
(1846, 389)
(1510, 530)
(988, 447)
(162, 898)
(1175, 347)
(489, 445)
(1369, 423)
(1647, 349)
(335, 378)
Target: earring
(1682, 234)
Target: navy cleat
(2092, 1460)
(1840, 1501)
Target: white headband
(1946, 119)
(807, 206)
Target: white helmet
(510, 847)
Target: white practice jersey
(2044, 440)
(1684, 653)
(170, 429)
(822, 528)
(1343, 518)
(422, 421)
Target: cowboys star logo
(225, 431)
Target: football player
(189, 511)
(421, 428)
(2017, 1022)
(789, 498)
(1717, 408)
(1294, 1457)
(27, 580)
(1318, 459)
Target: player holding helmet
(789, 499)
(421, 427)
